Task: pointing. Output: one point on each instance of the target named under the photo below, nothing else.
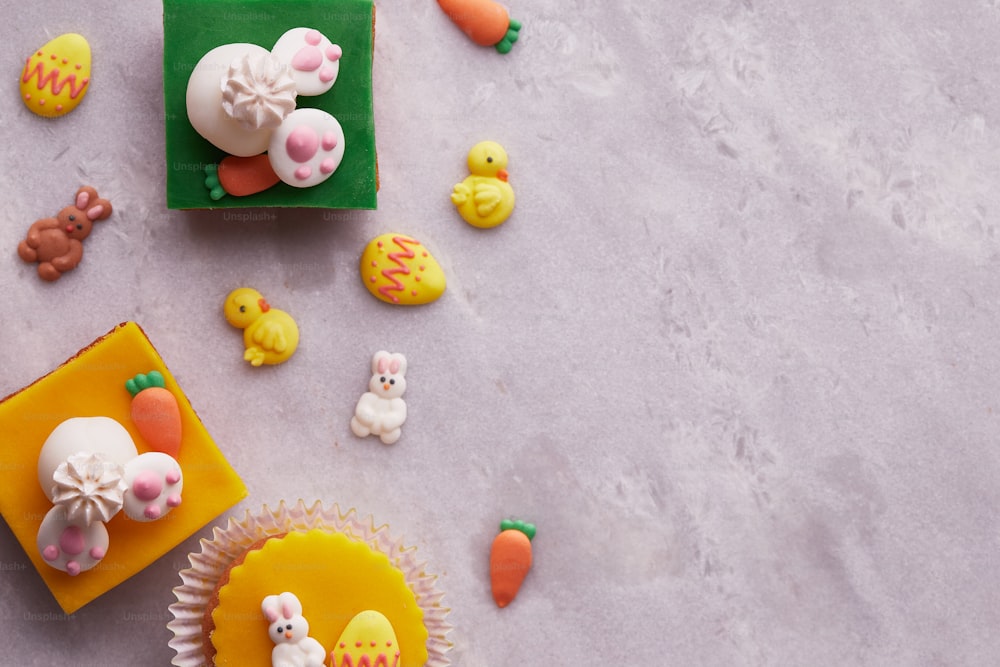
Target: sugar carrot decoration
(240, 176)
(486, 22)
(510, 559)
(155, 412)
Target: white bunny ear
(397, 364)
(290, 605)
(270, 608)
(380, 362)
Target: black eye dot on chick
(489, 159)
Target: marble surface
(735, 352)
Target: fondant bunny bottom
(71, 546)
(154, 486)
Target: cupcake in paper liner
(307, 585)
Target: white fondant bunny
(289, 631)
(381, 411)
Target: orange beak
(502, 175)
(264, 305)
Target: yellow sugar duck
(270, 335)
(485, 199)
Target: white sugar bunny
(381, 411)
(289, 630)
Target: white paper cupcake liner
(227, 544)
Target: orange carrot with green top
(155, 412)
(510, 559)
(240, 176)
(484, 21)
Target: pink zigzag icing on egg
(51, 79)
(365, 661)
(390, 273)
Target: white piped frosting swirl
(258, 91)
(90, 487)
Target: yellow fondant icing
(335, 577)
(56, 76)
(93, 384)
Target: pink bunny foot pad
(314, 59)
(309, 65)
(154, 482)
(71, 545)
(307, 148)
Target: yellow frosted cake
(88, 520)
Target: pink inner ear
(271, 614)
(81, 200)
(383, 365)
(286, 610)
(95, 212)
(394, 366)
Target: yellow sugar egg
(56, 76)
(399, 270)
(367, 640)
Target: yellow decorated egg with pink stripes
(398, 269)
(56, 76)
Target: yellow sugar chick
(485, 199)
(269, 335)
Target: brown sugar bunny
(57, 243)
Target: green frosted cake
(269, 103)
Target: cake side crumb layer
(208, 623)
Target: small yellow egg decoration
(56, 76)
(399, 270)
(368, 639)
